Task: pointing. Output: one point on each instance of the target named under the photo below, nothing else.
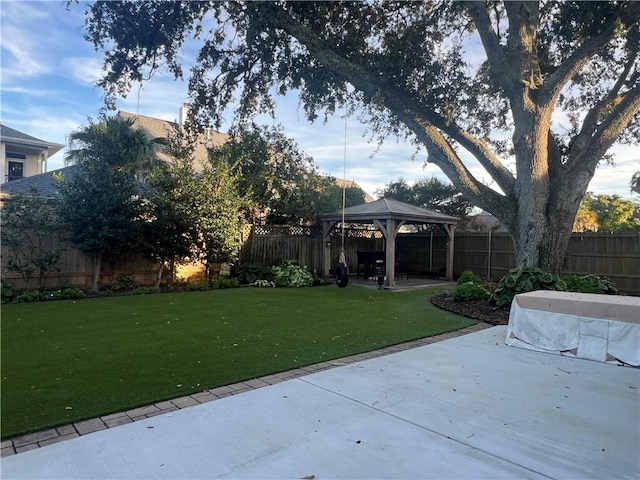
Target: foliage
(468, 276)
(216, 210)
(586, 219)
(614, 213)
(7, 291)
(263, 284)
(291, 275)
(279, 183)
(429, 193)
(183, 343)
(250, 273)
(223, 281)
(170, 231)
(470, 287)
(124, 284)
(101, 199)
(404, 66)
(469, 291)
(590, 284)
(65, 293)
(522, 280)
(32, 235)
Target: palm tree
(115, 143)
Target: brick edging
(43, 438)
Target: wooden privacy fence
(489, 255)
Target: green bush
(291, 275)
(590, 284)
(139, 291)
(522, 280)
(469, 291)
(224, 282)
(67, 293)
(468, 276)
(124, 284)
(28, 297)
(7, 291)
(248, 274)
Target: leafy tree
(405, 65)
(32, 236)
(279, 183)
(332, 196)
(217, 213)
(100, 200)
(586, 219)
(169, 230)
(614, 213)
(429, 193)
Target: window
(16, 170)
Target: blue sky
(48, 74)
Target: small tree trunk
(97, 265)
(159, 274)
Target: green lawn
(70, 360)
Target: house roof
(44, 183)
(158, 128)
(13, 136)
(388, 208)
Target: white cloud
(17, 59)
(83, 69)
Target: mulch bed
(479, 309)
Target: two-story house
(22, 155)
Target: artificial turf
(69, 360)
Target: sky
(48, 74)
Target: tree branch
(590, 146)
(424, 124)
(500, 70)
(578, 59)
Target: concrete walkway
(466, 407)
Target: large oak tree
(410, 68)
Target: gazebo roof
(388, 208)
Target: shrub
(291, 275)
(468, 276)
(224, 282)
(28, 297)
(7, 291)
(68, 293)
(590, 284)
(124, 284)
(523, 279)
(466, 292)
(139, 291)
(248, 274)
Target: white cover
(604, 328)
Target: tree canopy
(279, 183)
(429, 193)
(415, 69)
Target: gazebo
(389, 216)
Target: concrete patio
(467, 407)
